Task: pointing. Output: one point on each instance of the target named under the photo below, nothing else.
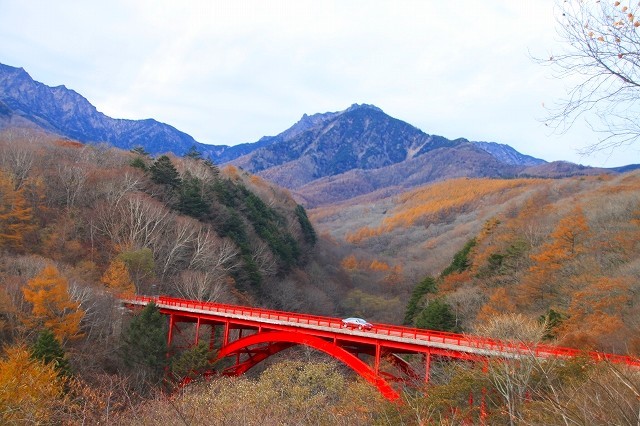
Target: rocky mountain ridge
(324, 157)
(65, 112)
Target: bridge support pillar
(377, 360)
(483, 403)
(171, 325)
(225, 338)
(427, 366)
(197, 340)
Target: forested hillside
(80, 225)
(565, 250)
(172, 222)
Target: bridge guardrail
(477, 342)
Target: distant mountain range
(26, 102)
(323, 158)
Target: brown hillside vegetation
(567, 248)
(82, 224)
(441, 200)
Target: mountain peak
(14, 72)
(355, 107)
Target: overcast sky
(228, 72)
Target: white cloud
(230, 72)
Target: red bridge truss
(248, 336)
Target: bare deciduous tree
(602, 58)
(71, 179)
(173, 250)
(512, 376)
(137, 222)
(17, 156)
(210, 251)
(264, 259)
(203, 285)
(115, 189)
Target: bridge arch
(280, 340)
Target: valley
(347, 213)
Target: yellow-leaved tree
(30, 390)
(118, 279)
(52, 306)
(15, 215)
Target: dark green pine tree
(307, 228)
(140, 151)
(553, 320)
(194, 153)
(191, 201)
(49, 350)
(427, 285)
(192, 362)
(164, 172)
(212, 166)
(460, 259)
(138, 163)
(437, 315)
(144, 344)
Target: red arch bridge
(250, 335)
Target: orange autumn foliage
(258, 181)
(118, 279)
(231, 171)
(567, 241)
(52, 306)
(393, 274)
(595, 313)
(499, 303)
(438, 201)
(349, 263)
(30, 391)
(68, 143)
(377, 265)
(15, 215)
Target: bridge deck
(415, 340)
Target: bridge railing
(460, 340)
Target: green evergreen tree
(437, 315)
(307, 229)
(49, 350)
(427, 285)
(191, 202)
(138, 163)
(553, 320)
(144, 344)
(164, 172)
(192, 362)
(140, 151)
(194, 153)
(460, 259)
(211, 165)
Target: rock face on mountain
(65, 112)
(361, 137)
(507, 155)
(334, 156)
